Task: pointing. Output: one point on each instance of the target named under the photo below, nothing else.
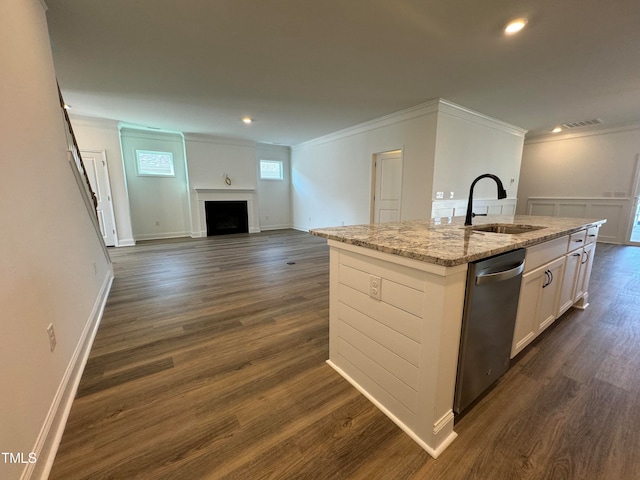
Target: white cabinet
(582, 284)
(571, 271)
(586, 262)
(569, 281)
(549, 291)
(556, 278)
(537, 303)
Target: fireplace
(225, 217)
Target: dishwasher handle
(484, 279)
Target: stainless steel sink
(506, 228)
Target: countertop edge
(452, 262)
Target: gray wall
(53, 268)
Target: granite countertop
(447, 241)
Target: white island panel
(400, 349)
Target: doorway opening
(634, 230)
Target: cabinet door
(526, 327)
(537, 305)
(569, 281)
(586, 262)
(548, 301)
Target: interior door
(95, 164)
(388, 186)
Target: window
(271, 170)
(154, 164)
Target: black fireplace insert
(226, 217)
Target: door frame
(372, 200)
(634, 201)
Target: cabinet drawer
(577, 240)
(545, 253)
(592, 235)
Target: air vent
(582, 123)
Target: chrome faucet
(502, 193)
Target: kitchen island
(397, 293)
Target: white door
(95, 163)
(388, 186)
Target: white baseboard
(126, 242)
(50, 435)
(160, 236)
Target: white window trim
(142, 174)
(271, 179)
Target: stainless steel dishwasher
(490, 307)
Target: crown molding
(427, 108)
(554, 137)
(203, 138)
(93, 121)
(432, 107)
(465, 113)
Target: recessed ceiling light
(515, 26)
(247, 120)
(556, 130)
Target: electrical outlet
(375, 284)
(439, 195)
(451, 195)
(52, 337)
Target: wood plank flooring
(209, 364)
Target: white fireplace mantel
(224, 190)
(201, 195)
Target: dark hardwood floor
(210, 364)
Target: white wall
(53, 268)
(274, 195)
(583, 174)
(210, 159)
(331, 176)
(445, 147)
(99, 134)
(469, 144)
(593, 164)
(159, 205)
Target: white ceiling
(303, 69)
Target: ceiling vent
(582, 123)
